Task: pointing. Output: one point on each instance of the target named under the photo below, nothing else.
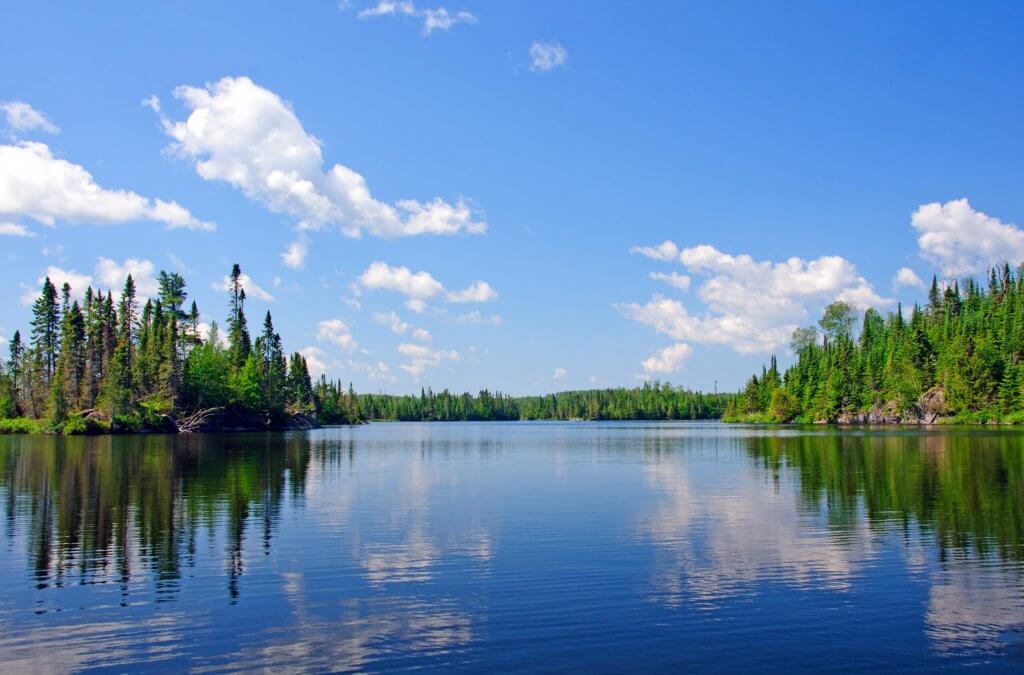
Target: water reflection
(439, 546)
(102, 510)
(954, 502)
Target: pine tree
(239, 342)
(45, 328)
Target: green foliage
(207, 376)
(245, 384)
(649, 402)
(22, 425)
(967, 343)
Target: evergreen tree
(45, 328)
(239, 342)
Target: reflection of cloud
(363, 637)
(972, 608)
(64, 648)
(712, 545)
(411, 560)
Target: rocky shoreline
(931, 408)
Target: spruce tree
(239, 342)
(46, 327)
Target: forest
(649, 402)
(958, 359)
(107, 365)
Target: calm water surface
(597, 546)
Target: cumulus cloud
(37, 185)
(666, 251)
(393, 321)
(559, 373)
(111, 274)
(545, 56)
(669, 359)
(23, 117)
(673, 279)
(433, 19)
(906, 277)
(374, 371)
(421, 334)
(316, 360)
(753, 306)
(478, 291)
(337, 333)
(961, 240)
(108, 275)
(247, 136)
(15, 230)
(422, 357)
(252, 289)
(295, 255)
(419, 287)
(58, 277)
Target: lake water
(523, 546)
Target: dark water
(599, 547)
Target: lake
(515, 547)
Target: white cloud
(37, 185)
(222, 336)
(960, 240)
(152, 102)
(245, 135)
(669, 359)
(108, 275)
(58, 277)
(476, 317)
(316, 361)
(393, 321)
(111, 275)
(673, 279)
(419, 287)
(23, 117)
(295, 255)
(252, 289)
(665, 251)
(15, 230)
(753, 306)
(478, 291)
(421, 334)
(559, 373)
(374, 371)
(337, 333)
(545, 56)
(422, 357)
(433, 19)
(906, 277)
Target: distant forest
(106, 364)
(956, 359)
(649, 402)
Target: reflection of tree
(94, 507)
(965, 488)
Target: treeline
(106, 364)
(649, 402)
(958, 358)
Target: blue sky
(514, 159)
